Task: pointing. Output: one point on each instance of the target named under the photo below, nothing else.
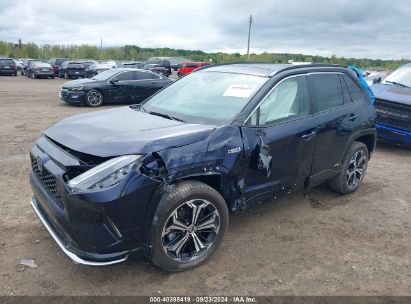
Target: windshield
(105, 75)
(206, 97)
(402, 76)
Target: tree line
(133, 52)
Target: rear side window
(191, 65)
(142, 76)
(354, 90)
(328, 91)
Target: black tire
(15, 74)
(179, 74)
(52, 77)
(186, 194)
(94, 98)
(353, 169)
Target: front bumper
(72, 97)
(98, 260)
(391, 134)
(93, 228)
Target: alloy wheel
(94, 98)
(190, 230)
(356, 168)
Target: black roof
(261, 69)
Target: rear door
(146, 85)
(279, 141)
(337, 117)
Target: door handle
(352, 117)
(309, 136)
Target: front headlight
(78, 88)
(104, 175)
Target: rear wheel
(94, 98)
(354, 166)
(190, 228)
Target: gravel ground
(322, 244)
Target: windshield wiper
(164, 115)
(397, 83)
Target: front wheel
(94, 98)
(353, 168)
(190, 228)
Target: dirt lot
(321, 245)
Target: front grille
(393, 114)
(48, 180)
(64, 93)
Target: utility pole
(250, 21)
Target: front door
(279, 142)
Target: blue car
(393, 106)
(159, 179)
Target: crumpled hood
(123, 131)
(392, 92)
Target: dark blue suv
(159, 179)
(393, 106)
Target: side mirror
(113, 80)
(376, 80)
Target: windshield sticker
(240, 90)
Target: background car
(123, 85)
(72, 69)
(375, 77)
(19, 64)
(162, 63)
(155, 68)
(188, 67)
(39, 69)
(56, 63)
(393, 106)
(97, 68)
(26, 64)
(175, 66)
(8, 66)
(130, 64)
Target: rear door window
(327, 91)
(353, 88)
(144, 76)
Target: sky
(350, 28)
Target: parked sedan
(155, 68)
(97, 68)
(122, 85)
(26, 64)
(393, 106)
(40, 70)
(56, 63)
(72, 69)
(8, 67)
